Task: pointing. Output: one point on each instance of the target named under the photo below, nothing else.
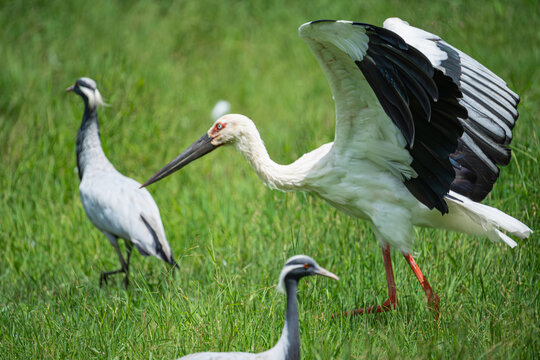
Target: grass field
(162, 66)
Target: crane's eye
(306, 266)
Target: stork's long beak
(71, 88)
(323, 272)
(199, 148)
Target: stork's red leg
(433, 298)
(391, 303)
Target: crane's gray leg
(129, 247)
(105, 274)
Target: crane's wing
(115, 204)
(491, 106)
(392, 106)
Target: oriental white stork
(113, 202)
(288, 346)
(421, 129)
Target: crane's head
(299, 266)
(87, 89)
(228, 129)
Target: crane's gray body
(114, 203)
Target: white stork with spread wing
(421, 130)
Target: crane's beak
(323, 272)
(199, 148)
(71, 88)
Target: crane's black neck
(291, 328)
(89, 151)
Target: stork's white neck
(90, 155)
(276, 176)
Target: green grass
(162, 66)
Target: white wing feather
(363, 130)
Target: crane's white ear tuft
(93, 96)
(281, 284)
(98, 99)
(284, 272)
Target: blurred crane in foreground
(421, 130)
(113, 202)
(288, 346)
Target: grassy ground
(161, 66)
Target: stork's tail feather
(488, 221)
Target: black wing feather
(492, 112)
(393, 104)
(423, 103)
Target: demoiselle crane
(421, 129)
(113, 202)
(288, 346)
(221, 108)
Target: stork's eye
(306, 266)
(219, 126)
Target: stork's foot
(433, 305)
(385, 306)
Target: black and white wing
(392, 105)
(491, 107)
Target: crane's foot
(388, 305)
(125, 282)
(102, 279)
(105, 275)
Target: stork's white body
(370, 193)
